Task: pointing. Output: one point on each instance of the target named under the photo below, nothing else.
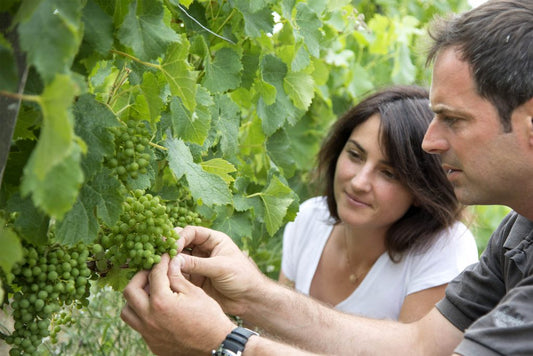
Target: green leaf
(32, 225)
(152, 93)
(309, 28)
(403, 71)
(57, 132)
(51, 36)
(220, 167)
(117, 278)
(144, 30)
(226, 120)
(224, 73)
(98, 27)
(190, 127)
(206, 187)
(236, 226)
(11, 248)
(273, 116)
(277, 197)
(92, 120)
(279, 150)
(256, 21)
(179, 74)
(266, 91)
(300, 88)
(99, 200)
(361, 82)
(56, 192)
(8, 74)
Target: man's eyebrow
(444, 109)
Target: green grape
(132, 154)
(45, 286)
(143, 233)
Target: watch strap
(235, 341)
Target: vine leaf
(92, 120)
(57, 132)
(117, 278)
(98, 28)
(277, 198)
(99, 200)
(191, 127)
(274, 116)
(309, 28)
(8, 76)
(220, 167)
(224, 72)
(31, 226)
(300, 88)
(144, 30)
(226, 121)
(11, 248)
(256, 21)
(52, 35)
(208, 188)
(179, 74)
(57, 191)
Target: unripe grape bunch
(132, 153)
(143, 233)
(50, 278)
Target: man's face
(484, 164)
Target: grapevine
(125, 119)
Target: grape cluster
(50, 278)
(143, 233)
(132, 155)
(180, 214)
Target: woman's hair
(405, 115)
(496, 40)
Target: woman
(385, 238)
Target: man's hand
(173, 316)
(218, 266)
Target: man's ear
(528, 112)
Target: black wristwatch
(234, 343)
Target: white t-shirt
(381, 293)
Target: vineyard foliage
(227, 101)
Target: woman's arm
(418, 304)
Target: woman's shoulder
(314, 206)
(457, 237)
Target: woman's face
(366, 190)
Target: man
(482, 95)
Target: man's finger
(129, 316)
(135, 294)
(158, 276)
(198, 236)
(178, 282)
(199, 266)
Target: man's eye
(450, 121)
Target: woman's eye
(354, 154)
(389, 174)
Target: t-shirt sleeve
(293, 236)
(288, 261)
(452, 252)
(496, 318)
